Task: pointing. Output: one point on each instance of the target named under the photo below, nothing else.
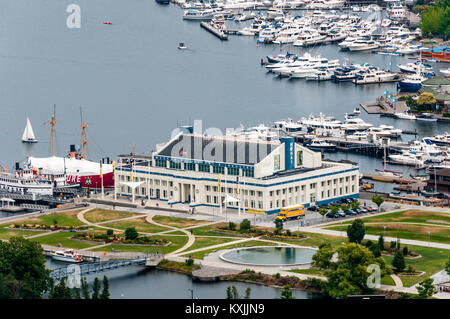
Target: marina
(222, 140)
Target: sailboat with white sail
(28, 134)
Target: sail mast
(52, 123)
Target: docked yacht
(68, 255)
(378, 76)
(363, 45)
(320, 75)
(320, 145)
(405, 116)
(416, 67)
(353, 123)
(426, 117)
(407, 159)
(411, 82)
(198, 14)
(443, 139)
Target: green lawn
(408, 216)
(432, 261)
(62, 219)
(140, 224)
(63, 239)
(7, 234)
(178, 221)
(315, 240)
(101, 215)
(415, 232)
(201, 242)
(176, 243)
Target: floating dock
(218, 33)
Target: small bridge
(101, 266)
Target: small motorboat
(356, 111)
(182, 46)
(68, 255)
(106, 22)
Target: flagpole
(220, 198)
(101, 180)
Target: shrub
(231, 226)
(109, 232)
(245, 225)
(405, 251)
(131, 233)
(189, 262)
(288, 232)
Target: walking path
(374, 237)
(397, 280)
(191, 237)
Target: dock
(389, 179)
(218, 33)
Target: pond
(269, 256)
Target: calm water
(137, 283)
(271, 256)
(134, 85)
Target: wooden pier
(218, 33)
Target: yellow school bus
(291, 212)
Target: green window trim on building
(161, 163)
(233, 171)
(174, 165)
(189, 166)
(248, 173)
(218, 169)
(203, 168)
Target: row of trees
(435, 19)
(62, 291)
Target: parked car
(350, 212)
(313, 208)
(329, 215)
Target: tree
(247, 293)
(131, 233)
(231, 226)
(96, 289)
(286, 293)
(426, 100)
(323, 211)
(348, 275)
(447, 266)
(229, 293)
(245, 225)
(76, 292)
(322, 258)
(405, 251)
(426, 288)
(381, 243)
(23, 274)
(85, 288)
(356, 231)
(399, 261)
(61, 291)
(378, 200)
(278, 224)
(105, 291)
(375, 250)
(334, 209)
(355, 205)
(234, 292)
(345, 207)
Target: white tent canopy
(230, 199)
(132, 185)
